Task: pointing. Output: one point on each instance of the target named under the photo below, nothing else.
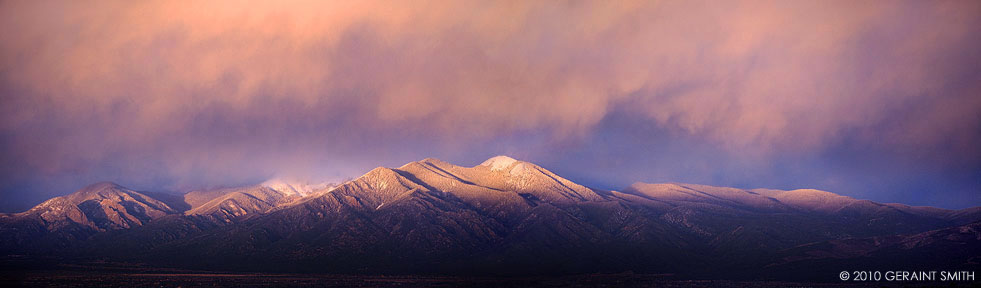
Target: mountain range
(502, 217)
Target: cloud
(219, 89)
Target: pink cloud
(87, 80)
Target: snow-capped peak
(499, 163)
(290, 188)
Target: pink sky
(159, 93)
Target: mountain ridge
(503, 216)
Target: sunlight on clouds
(140, 79)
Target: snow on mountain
(228, 205)
(503, 173)
(101, 206)
(501, 210)
(293, 187)
(499, 163)
(706, 194)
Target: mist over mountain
(502, 217)
(842, 96)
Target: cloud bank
(171, 94)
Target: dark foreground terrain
(138, 275)
(78, 278)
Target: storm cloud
(176, 95)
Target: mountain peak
(101, 206)
(500, 162)
(102, 186)
(432, 160)
(97, 190)
(294, 187)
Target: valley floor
(132, 278)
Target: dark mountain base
(152, 278)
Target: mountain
(503, 216)
(952, 249)
(291, 187)
(848, 216)
(233, 204)
(229, 205)
(96, 208)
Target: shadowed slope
(62, 220)
(503, 216)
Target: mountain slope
(102, 206)
(503, 216)
(96, 208)
(510, 216)
(951, 249)
(234, 204)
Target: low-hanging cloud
(225, 89)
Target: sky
(877, 100)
